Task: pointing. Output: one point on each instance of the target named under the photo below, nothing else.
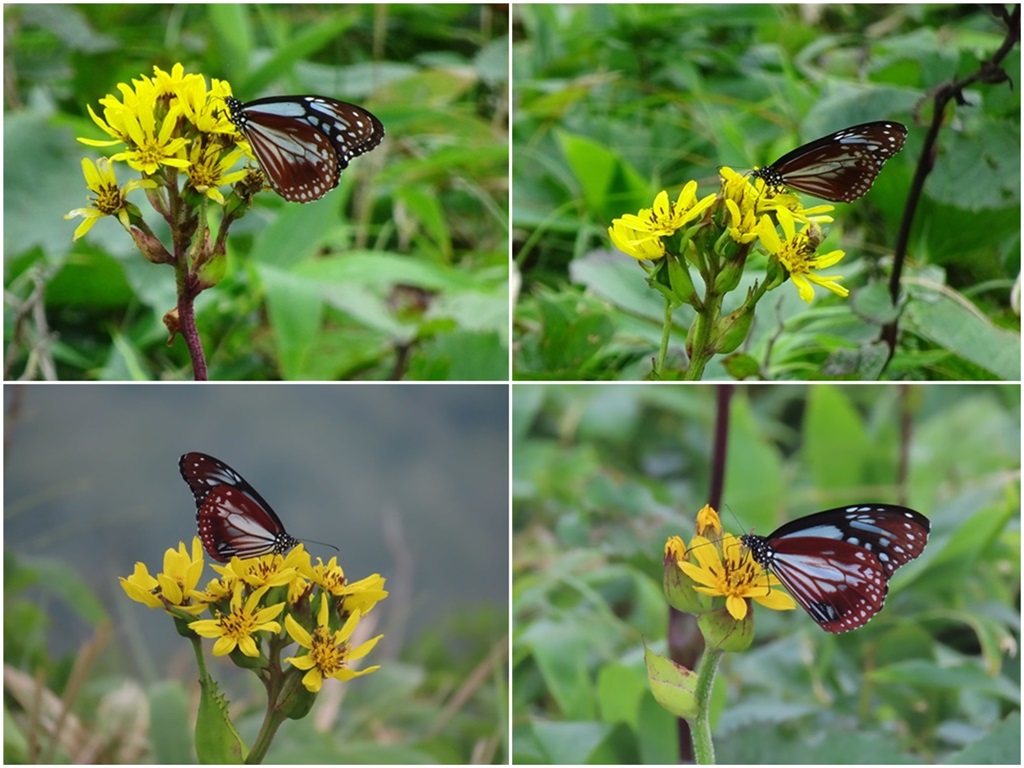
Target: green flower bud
(732, 330)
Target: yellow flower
(271, 570)
(145, 123)
(359, 595)
(796, 254)
(708, 521)
(109, 200)
(175, 585)
(329, 652)
(733, 574)
(141, 587)
(236, 629)
(209, 168)
(640, 235)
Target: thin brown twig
(989, 71)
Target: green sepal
(658, 278)
(724, 633)
(212, 271)
(680, 281)
(249, 662)
(181, 624)
(775, 274)
(299, 701)
(679, 591)
(729, 276)
(732, 330)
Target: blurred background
(407, 481)
(604, 474)
(400, 273)
(613, 103)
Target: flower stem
(666, 334)
(187, 320)
(701, 350)
(271, 722)
(703, 745)
(280, 685)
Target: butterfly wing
(231, 523)
(303, 143)
(232, 517)
(840, 167)
(840, 585)
(894, 534)
(837, 563)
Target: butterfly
(303, 143)
(839, 167)
(233, 518)
(837, 563)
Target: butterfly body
(840, 167)
(233, 519)
(304, 142)
(837, 563)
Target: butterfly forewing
(204, 473)
(837, 563)
(840, 167)
(303, 143)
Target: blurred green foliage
(402, 272)
(613, 103)
(602, 475)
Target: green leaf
(1000, 746)
(619, 693)
(561, 651)
(953, 324)
(673, 686)
(835, 444)
(571, 341)
(756, 489)
(600, 173)
(217, 741)
(571, 743)
(295, 311)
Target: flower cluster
(163, 125)
(716, 564)
(321, 609)
(748, 213)
(695, 252)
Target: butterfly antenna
(320, 543)
(739, 523)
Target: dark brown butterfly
(303, 143)
(839, 167)
(837, 563)
(233, 518)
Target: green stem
(701, 350)
(666, 334)
(271, 722)
(280, 685)
(703, 745)
(197, 648)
